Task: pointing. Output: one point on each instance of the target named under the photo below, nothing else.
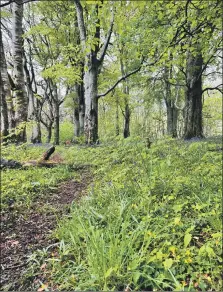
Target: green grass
(23, 186)
(151, 219)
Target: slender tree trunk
(10, 105)
(81, 103)
(79, 110)
(172, 116)
(4, 89)
(57, 124)
(19, 81)
(127, 113)
(172, 112)
(49, 132)
(76, 114)
(193, 108)
(117, 117)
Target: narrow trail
(25, 231)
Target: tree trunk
(193, 107)
(20, 92)
(127, 113)
(49, 133)
(76, 122)
(79, 110)
(172, 112)
(117, 117)
(91, 105)
(4, 90)
(57, 124)
(36, 133)
(172, 116)
(81, 104)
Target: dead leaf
(43, 267)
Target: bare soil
(25, 231)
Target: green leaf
(187, 239)
(135, 277)
(109, 271)
(168, 263)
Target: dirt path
(24, 232)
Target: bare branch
(17, 2)
(5, 4)
(214, 88)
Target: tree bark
(49, 132)
(79, 110)
(93, 65)
(56, 124)
(81, 102)
(19, 81)
(126, 132)
(127, 112)
(193, 107)
(117, 130)
(36, 133)
(4, 89)
(91, 104)
(76, 119)
(172, 112)
(35, 106)
(172, 116)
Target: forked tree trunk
(193, 106)
(93, 65)
(19, 80)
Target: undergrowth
(151, 220)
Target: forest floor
(163, 203)
(25, 231)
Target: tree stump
(48, 153)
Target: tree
(93, 64)
(18, 73)
(4, 90)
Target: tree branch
(12, 1)
(214, 88)
(81, 24)
(106, 43)
(119, 80)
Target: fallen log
(4, 163)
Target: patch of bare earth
(25, 231)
